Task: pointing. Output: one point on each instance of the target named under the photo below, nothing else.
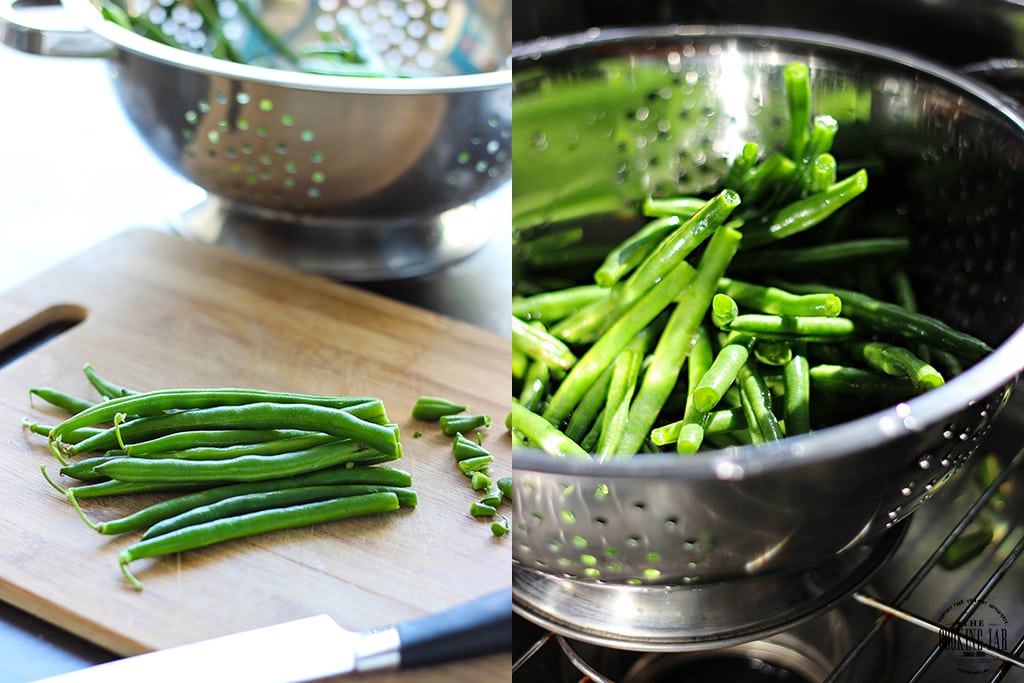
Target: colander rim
(123, 39)
(996, 372)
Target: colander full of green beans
(766, 303)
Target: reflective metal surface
(854, 643)
(952, 32)
(353, 251)
(695, 618)
(384, 156)
(789, 506)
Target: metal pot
(649, 546)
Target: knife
(317, 647)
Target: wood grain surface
(157, 311)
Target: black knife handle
(478, 627)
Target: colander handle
(46, 28)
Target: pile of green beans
(236, 462)
(473, 460)
(698, 331)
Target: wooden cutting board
(157, 311)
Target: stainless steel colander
(343, 152)
(662, 551)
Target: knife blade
(318, 647)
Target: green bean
(807, 327)
(519, 363)
(723, 310)
(85, 470)
(65, 402)
(720, 376)
(966, 547)
(727, 440)
(718, 422)
(823, 133)
(560, 259)
(481, 463)
(501, 528)
(698, 361)
(674, 248)
(478, 509)
(739, 167)
(903, 292)
(896, 360)
(105, 388)
(459, 424)
(883, 317)
(116, 14)
(539, 344)
(797, 85)
(837, 254)
(336, 421)
(601, 354)
(463, 448)
(859, 383)
(625, 371)
(986, 472)
(586, 324)
(773, 351)
(535, 385)
(241, 468)
(750, 417)
(271, 447)
(332, 476)
(209, 438)
(823, 173)
(589, 442)
(758, 403)
(555, 305)
(540, 433)
(796, 397)
(492, 497)
(776, 301)
(582, 418)
(667, 207)
(266, 500)
(774, 170)
(691, 436)
(674, 343)
(433, 408)
(266, 34)
(221, 46)
(903, 289)
(161, 401)
(254, 523)
(632, 251)
(803, 214)
(73, 437)
(505, 486)
(115, 487)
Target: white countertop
(73, 171)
